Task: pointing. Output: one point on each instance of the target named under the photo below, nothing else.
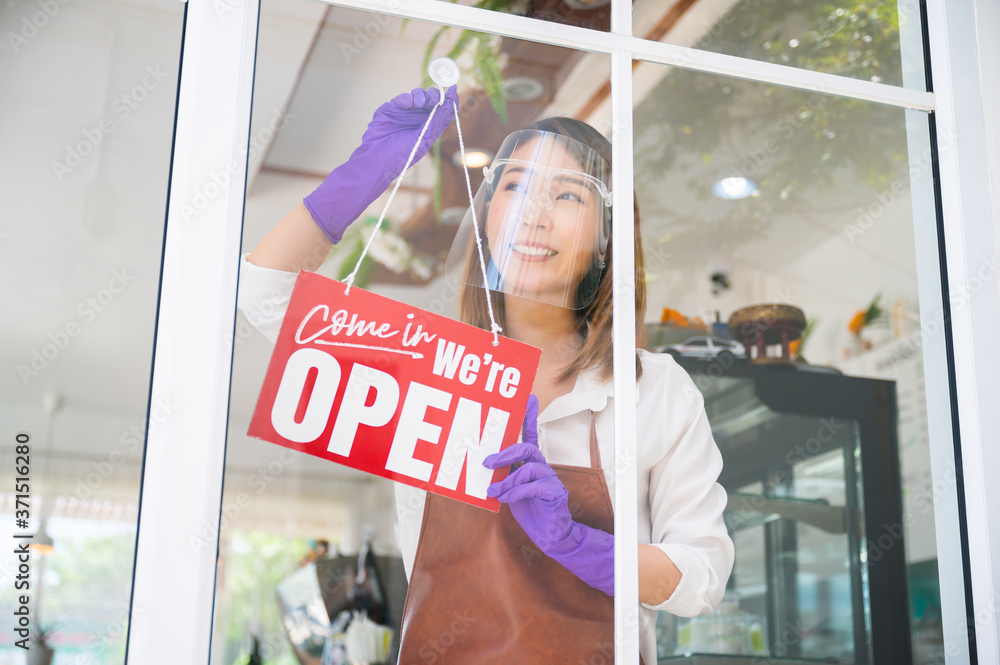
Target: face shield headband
(544, 215)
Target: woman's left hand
(539, 502)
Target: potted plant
(41, 648)
(796, 346)
(871, 316)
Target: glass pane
(824, 580)
(593, 14)
(797, 582)
(298, 528)
(874, 40)
(87, 125)
(782, 223)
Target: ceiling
(80, 249)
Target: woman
(534, 583)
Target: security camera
(720, 282)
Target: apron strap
(595, 452)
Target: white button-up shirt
(678, 463)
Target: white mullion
(783, 75)
(486, 20)
(183, 464)
(598, 41)
(623, 335)
(970, 238)
(627, 620)
(947, 531)
(621, 17)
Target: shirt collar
(589, 394)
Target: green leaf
(489, 72)
(365, 272)
(495, 5)
(463, 40)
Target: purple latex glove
(380, 158)
(540, 504)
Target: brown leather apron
(481, 592)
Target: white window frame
(180, 500)
(962, 58)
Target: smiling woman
(537, 254)
(544, 210)
(535, 250)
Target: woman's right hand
(385, 147)
(397, 124)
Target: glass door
(85, 168)
(782, 165)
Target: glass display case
(815, 512)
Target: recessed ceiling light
(475, 158)
(734, 187)
(522, 89)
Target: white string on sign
(494, 327)
(349, 281)
(409, 160)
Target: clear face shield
(544, 217)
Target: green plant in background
(254, 565)
(874, 314)
(41, 649)
(367, 267)
(478, 55)
(388, 249)
(797, 347)
(85, 587)
(859, 39)
(796, 146)
(43, 633)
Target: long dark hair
(594, 322)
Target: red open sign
(399, 392)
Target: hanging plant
(365, 271)
(481, 64)
(388, 249)
(478, 56)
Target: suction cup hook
(445, 73)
